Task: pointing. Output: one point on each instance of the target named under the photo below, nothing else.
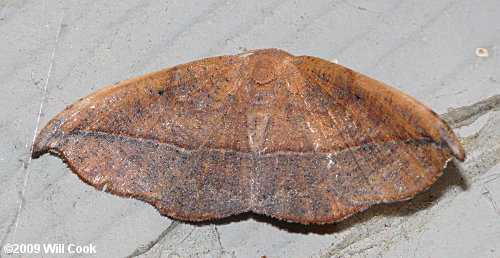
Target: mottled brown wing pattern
(298, 138)
(396, 115)
(157, 106)
(357, 150)
(172, 138)
(318, 188)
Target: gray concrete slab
(54, 52)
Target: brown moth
(294, 137)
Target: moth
(293, 137)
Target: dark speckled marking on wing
(298, 138)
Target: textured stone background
(55, 52)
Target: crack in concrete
(26, 167)
(466, 115)
(217, 234)
(144, 249)
(488, 195)
(190, 232)
(483, 148)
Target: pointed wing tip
(38, 149)
(36, 153)
(458, 151)
(456, 148)
(46, 138)
(453, 143)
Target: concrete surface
(55, 52)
